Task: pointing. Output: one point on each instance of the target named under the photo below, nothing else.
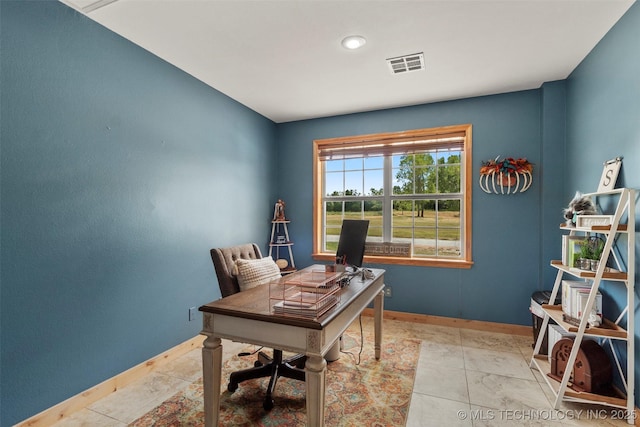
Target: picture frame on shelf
(610, 174)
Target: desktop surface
(255, 303)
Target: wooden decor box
(592, 369)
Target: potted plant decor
(586, 255)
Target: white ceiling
(284, 60)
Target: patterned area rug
(373, 393)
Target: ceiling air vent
(404, 64)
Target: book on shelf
(574, 299)
(571, 249)
(580, 303)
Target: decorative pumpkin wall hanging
(506, 176)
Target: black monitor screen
(351, 245)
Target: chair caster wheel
(257, 364)
(268, 404)
(232, 387)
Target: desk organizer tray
(306, 293)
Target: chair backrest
(224, 260)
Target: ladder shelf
(608, 332)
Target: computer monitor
(352, 240)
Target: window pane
(334, 185)
(425, 213)
(400, 167)
(373, 212)
(414, 174)
(376, 162)
(424, 243)
(449, 243)
(424, 180)
(353, 164)
(424, 159)
(448, 157)
(405, 159)
(402, 208)
(449, 179)
(334, 165)
(353, 210)
(333, 208)
(449, 247)
(353, 183)
(403, 174)
(333, 222)
(424, 176)
(449, 213)
(373, 182)
(424, 233)
(402, 221)
(398, 187)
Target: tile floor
(464, 378)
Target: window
(414, 187)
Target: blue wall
(603, 121)
(119, 173)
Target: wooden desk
(247, 317)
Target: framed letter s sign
(610, 174)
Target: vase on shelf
(584, 264)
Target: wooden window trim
(373, 139)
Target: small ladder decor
(280, 240)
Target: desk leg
(315, 369)
(378, 308)
(211, 376)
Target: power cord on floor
(361, 345)
(246, 353)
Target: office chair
(274, 367)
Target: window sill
(443, 263)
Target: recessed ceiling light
(353, 42)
